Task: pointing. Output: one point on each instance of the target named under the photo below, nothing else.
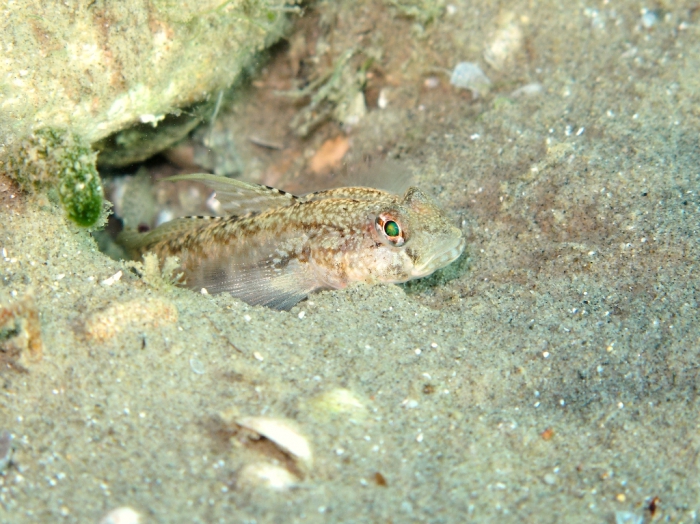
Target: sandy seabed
(554, 380)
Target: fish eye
(391, 230)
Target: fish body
(285, 247)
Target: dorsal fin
(387, 175)
(351, 193)
(239, 198)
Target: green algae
(63, 164)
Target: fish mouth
(449, 254)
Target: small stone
(123, 515)
(627, 517)
(550, 478)
(383, 100)
(547, 434)
(431, 82)
(649, 19)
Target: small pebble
(550, 478)
(383, 100)
(123, 515)
(649, 19)
(627, 517)
(431, 82)
(547, 434)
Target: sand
(553, 380)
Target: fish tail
(132, 242)
(137, 244)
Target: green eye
(392, 229)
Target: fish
(274, 248)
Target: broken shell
(506, 43)
(282, 433)
(339, 401)
(123, 515)
(268, 475)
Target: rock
(92, 69)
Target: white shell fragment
(197, 366)
(265, 474)
(468, 75)
(527, 90)
(383, 100)
(112, 280)
(282, 433)
(123, 515)
(339, 401)
(506, 43)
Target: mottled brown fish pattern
(277, 248)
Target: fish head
(413, 238)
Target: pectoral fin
(261, 284)
(265, 275)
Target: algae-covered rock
(140, 142)
(63, 163)
(96, 67)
